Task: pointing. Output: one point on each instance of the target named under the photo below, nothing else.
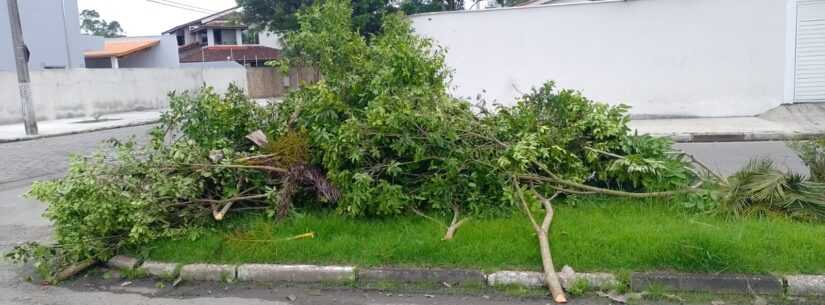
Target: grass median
(597, 234)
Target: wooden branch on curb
(551, 278)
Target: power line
(191, 9)
(187, 4)
(178, 6)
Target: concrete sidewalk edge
(74, 132)
(792, 285)
(698, 137)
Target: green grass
(598, 234)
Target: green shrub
(215, 121)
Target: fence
(269, 82)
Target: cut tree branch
(227, 204)
(605, 191)
(551, 278)
(454, 224)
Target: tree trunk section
(452, 229)
(550, 276)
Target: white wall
(51, 30)
(81, 92)
(662, 57)
(91, 43)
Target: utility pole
(21, 58)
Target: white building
(51, 30)
(220, 38)
(662, 57)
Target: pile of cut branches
(378, 135)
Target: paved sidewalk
(15, 132)
(786, 122)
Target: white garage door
(809, 79)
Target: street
(27, 161)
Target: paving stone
(122, 262)
(722, 283)
(295, 273)
(806, 285)
(157, 269)
(436, 276)
(208, 272)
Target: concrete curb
(805, 285)
(209, 272)
(453, 277)
(161, 270)
(296, 273)
(60, 134)
(568, 278)
(792, 285)
(714, 283)
(739, 137)
(123, 262)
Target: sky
(145, 18)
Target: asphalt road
(27, 161)
(727, 158)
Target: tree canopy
(279, 15)
(92, 24)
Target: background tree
(507, 3)
(425, 6)
(279, 15)
(92, 24)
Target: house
(51, 31)
(697, 58)
(131, 52)
(220, 38)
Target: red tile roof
(229, 53)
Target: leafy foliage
(198, 165)
(381, 122)
(213, 121)
(383, 126)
